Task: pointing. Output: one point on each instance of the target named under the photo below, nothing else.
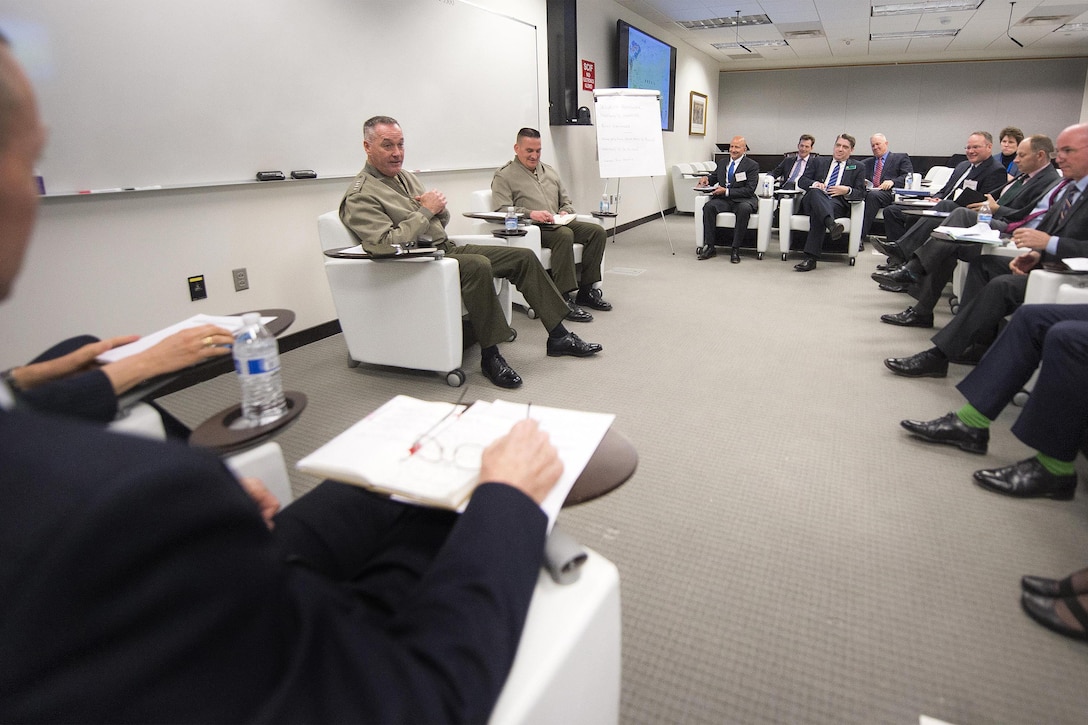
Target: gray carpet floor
(787, 553)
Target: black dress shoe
(1051, 588)
(925, 364)
(806, 265)
(895, 254)
(908, 318)
(576, 313)
(878, 243)
(571, 344)
(1027, 479)
(498, 372)
(835, 230)
(594, 298)
(890, 288)
(898, 276)
(950, 430)
(706, 251)
(734, 256)
(1044, 611)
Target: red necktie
(879, 169)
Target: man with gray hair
(884, 171)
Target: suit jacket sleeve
(815, 170)
(197, 596)
(88, 396)
(902, 166)
(1029, 195)
(855, 182)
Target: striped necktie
(834, 178)
(1066, 204)
(729, 173)
(879, 170)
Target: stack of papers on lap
(376, 453)
(978, 233)
(229, 322)
(559, 219)
(709, 188)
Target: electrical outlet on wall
(241, 279)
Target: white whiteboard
(629, 141)
(149, 92)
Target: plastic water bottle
(257, 362)
(908, 180)
(984, 214)
(511, 219)
(605, 205)
(766, 193)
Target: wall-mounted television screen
(649, 63)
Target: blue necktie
(834, 179)
(729, 174)
(796, 170)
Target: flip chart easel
(629, 139)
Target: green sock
(1056, 467)
(972, 418)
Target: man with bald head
(884, 171)
(734, 181)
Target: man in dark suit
(930, 268)
(884, 171)
(792, 166)
(830, 185)
(141, 583)
(991, 292)
(979, 172)
(736, 181)
(1055, 417)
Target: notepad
(981, 233)
(233, 323)
(428, 452)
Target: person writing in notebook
(386, 206)
(534, 189)
(146, 586)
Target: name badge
(971, 184)
(740, 176)
(851, 168)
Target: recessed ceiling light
(924, 6)
(716, 23)
(915, 34)
(1072, 28)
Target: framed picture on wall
(697, 114)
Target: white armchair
(567, 669)
(401, 313)
(789, 222)
(481, 201)
(761, 220)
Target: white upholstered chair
(789, 222)
(684, 177)
(480, 200)
(567, 668)
(761, 220)
(401, 313)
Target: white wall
(924, 109)
(117, 264)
